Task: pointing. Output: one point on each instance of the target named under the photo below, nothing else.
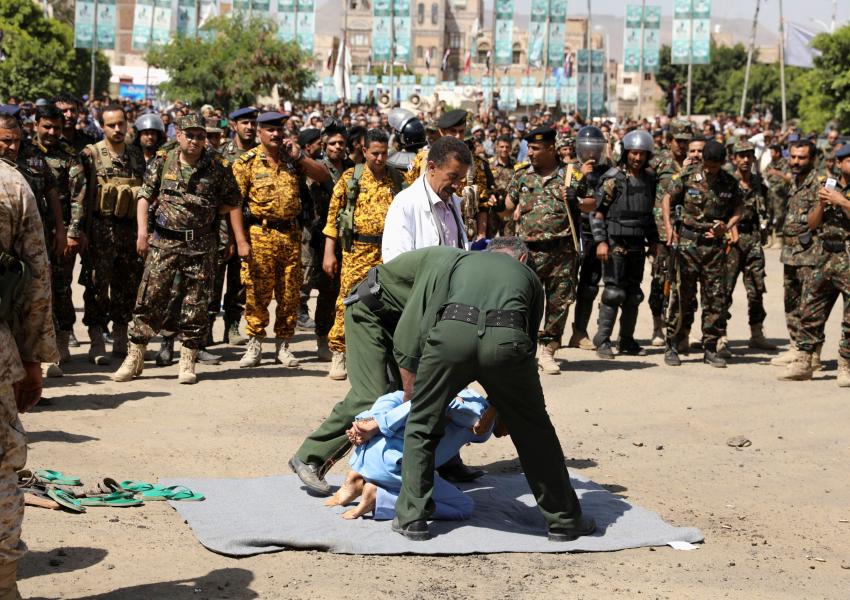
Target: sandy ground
(775, 515)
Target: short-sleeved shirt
(373, 202)
(543, 203)
(270, 191)
(704, 201)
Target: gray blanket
(241, 517)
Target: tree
(243, 59)
(41, 60)
(826, 89)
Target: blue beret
(10, 109)
(843, 152)
(246, 112)
(272, 118)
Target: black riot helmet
(409, 129)
(590, 144)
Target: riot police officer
(623, 226)
(409, 133)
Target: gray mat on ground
(241, 517)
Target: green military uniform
(502, 176)
(545, 226)
(32, 165)
(777, 193)
(182, 256)
(478, 322)
(701, 260)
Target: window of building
(647, 76)
(420, 52)
(455, 40)
(627, 80)
(360, 39)
(420, 13)
(435, 13)
(516, 56)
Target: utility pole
(344, 46)
(589, 63)
(749, 60)
(94, 57)
(392, 53)
(782, 62)
(197, 17)
(545, 79)
(690, 57)
(150, 43)
(640, 68)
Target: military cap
(308, 136)
(431, 125)
(842, 152)
(681, 129)
(271, 118)
(565, 140)
(452, 119)
(246, 112)
(541, 134)
(41, 102)
(742, 146)
(10, 109)
(191, 121)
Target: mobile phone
(830, 184)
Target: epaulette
(249, 155)
(522, 165)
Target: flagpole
(392, 53)
(94, 58)
(589, 63)
(749, 60)
(344, 47)
(546, 51)
(782, 61)
(640, 68)
(197, 17)
(691, 57)
(150, 43)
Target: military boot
(546, 360)
(723, 347)
(338, 371)
(757, 339)
(683, 346)
(799, 369)
(283, 355)
(605, 351)
(304, 321)
(322, 351)
(711, 357)
(232, 335)
(97, 347)
(630, 347)
(188, 356)
(253, 353)
(166, 351)
(604, 328)
(51, 370)
(843, 371)
(671, 355)
(62, 341)
(580, 339)
(816, 363)
(206, 357)
(785, 358)
(210, 341)
(119, 340)
(657, 332)
(73, 342)
(133, 364)
(9, 581)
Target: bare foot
(348, 491)
(366, 505)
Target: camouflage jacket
(704, 202)
(543, 203)
(33, 166)
(754, 199)
(665, 166)
(230, 152)
(22, 233)
(502, 175)
(836, 224)
(776, 183)
(187, 197)
(321, 193)
(269, 191)
(797, 252)
(61, 159)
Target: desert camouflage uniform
(701, 260)
(747, 256)
(371, 210)
(665, 167)
(112, 269)
(185, 198)
(502, 175)
(274, 270)
(22, 233)
(828, 280)
(545, 227)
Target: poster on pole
(305, 27)
(285, 18)
(557, 31)
(83, 24)
(504, 37)
(691, 32)
(631, 38)
(402, 31)
(537, 31)
(143, 16)
(161, 22)
(651, 39)
(381, 26)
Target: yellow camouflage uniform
(371, 210)
(21, 233)
(271, 194)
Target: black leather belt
(834, 245)
(368, 239)
(545, 245)
(494, 318)
(182, 235)
(696, 236)
(283, 226)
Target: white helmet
(149, 121)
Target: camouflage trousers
(747, 258)
(702, 263)
(62, 276)
(355, 266)
(778, 208)
(172, 279)
(557, 268)
(111, 272)
(273, 271)
(14, 457)
(499, 226)
(658, 281)
(820, 292)
(793, 280)
(328, 288)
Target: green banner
(537, 31)
(557, 31)
(504, 38)
(402, 31)
(691, 32)
(381, 28)
(651, 21)
(85, 24)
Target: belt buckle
(190, 235)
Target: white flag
(798, 49)
(342, 72)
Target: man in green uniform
(477, 321)
(711, 206)
(499, 221)
(189, 187)
(778, 176)
(547, 216)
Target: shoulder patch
(521, 166)
(247, 156)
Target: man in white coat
(427, 213)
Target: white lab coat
(412, 223)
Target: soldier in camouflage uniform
(21, 354)
(777, 176)
(666, 164)
(69, 106)
(479, 179)
(108, 176)
(500, 221)
(547, 217)
(829, 218)
(565, 144)
(711, 206)
(188, 186)
(310, 140)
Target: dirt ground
(774, 515)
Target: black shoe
(711, 358)
(166, 352)
(209, 341)
(671, 357)
(630, 347)
(73, 342)
(459, 473)
(208, 358)
(416, 531)
(604, 350)
(584, 526)
(309, 476)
